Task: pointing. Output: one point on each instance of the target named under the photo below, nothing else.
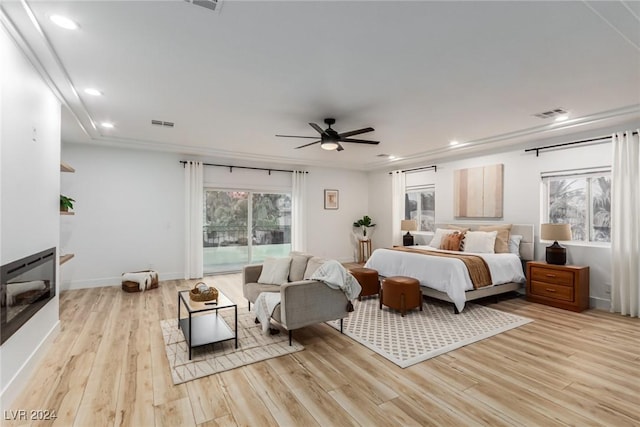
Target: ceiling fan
(330, 139)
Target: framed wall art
(478, 192)
(331, 199)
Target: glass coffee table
(203, 325)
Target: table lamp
(556, 254)
(408, 225)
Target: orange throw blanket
(477, 266)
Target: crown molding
(519, 136)
(20, 40)
(206, 152)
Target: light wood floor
(108, 367)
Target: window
(582, 200)
(243, 227)
(420, 204)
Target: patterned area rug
(253, 347)
(421, 335)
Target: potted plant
(66, 203)
(364, 223)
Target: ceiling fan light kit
(330, 139)
(329, 145)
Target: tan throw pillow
(298, 265)
(436, 241)
(502, 239)
(451, 242)
(455, 227)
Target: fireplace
(28, 284)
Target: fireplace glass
(28, 284)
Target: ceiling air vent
(161, 123)
(209, 4)
(552, 114)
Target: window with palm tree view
(583, 201)
(420, 204)
(242, 227)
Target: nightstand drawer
(548, 275)
(550, 290)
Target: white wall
(330, 232)
(30, 180)
(129, 212)
(129, 215)
(521, 200)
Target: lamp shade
(408, 225)
(555, 232)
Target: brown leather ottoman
(368, 279)
(401, 293)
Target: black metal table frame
(206, 308)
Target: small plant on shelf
(364, 223)
(66, 203)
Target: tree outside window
(584, 202)
(420, 204)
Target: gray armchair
(302, 302)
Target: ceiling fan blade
(296, 136)
(356, 132)
(359, 141)
(340, 147)
(317, 128)
(306, 145)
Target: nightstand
(562, 286)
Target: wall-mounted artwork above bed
(478, 192)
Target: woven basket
(196, 295)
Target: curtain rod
(434, 167)
(184, 162)
(583, 141)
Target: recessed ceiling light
(453, 142)
(92, 91)
(391, 157)
(107, 125)
(64, 22)
(561, 118)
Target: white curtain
(397, 205)
(298, 219)
(194, 212)
(625, 224)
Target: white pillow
(275, 271)
(437, 237)
(480, 242)
(514, 244)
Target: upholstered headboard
(525, 230)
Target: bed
(447, 278)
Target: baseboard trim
(600, 303)
(109, 281)
(23, 375)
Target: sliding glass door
(244, 227)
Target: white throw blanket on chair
(263, 308)
(334, 275)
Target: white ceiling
(420, 73)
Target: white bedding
(448, 275)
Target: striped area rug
(421, 335)
(210, 359)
